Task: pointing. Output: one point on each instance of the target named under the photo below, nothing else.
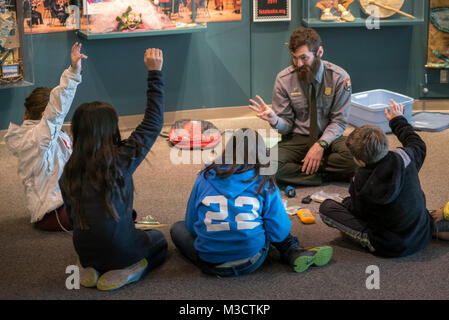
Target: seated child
(42, 148)
(235, 211)
(98, 190)
(386, 211)
(441, 219)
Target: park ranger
(310, 107)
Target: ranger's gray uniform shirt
(333, 101)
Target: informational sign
(271, 10)
(10, 71)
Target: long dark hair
(254, 150)
(96, 137)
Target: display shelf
(311, 15)
(114, 19)
(114, 35)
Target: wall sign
(271, 10)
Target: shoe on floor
(116, 279)
(88, 276)
(302, 259)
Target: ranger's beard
(307, 73)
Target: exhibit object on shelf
(326, 7)
(439, 17)
(335, 10)
(12, 53)
(343, 8)
(387, 8)
(438, 40)
(129, 20)
(51, 15)
(124, 18)
(220, 10)
(361, 13)
(271, 10)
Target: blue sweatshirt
(229, 221)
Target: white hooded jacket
(42, 148)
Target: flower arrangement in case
(129, 20)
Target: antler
(325, 4)
(345, 3)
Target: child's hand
(437, 215)
(396, 110)
(76, 56)
(154, 59)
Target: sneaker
(302, 259)
(88, 276)
(116, 279)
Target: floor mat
(430, 121)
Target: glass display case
(100, 19)
(362, 13)
(15, 46)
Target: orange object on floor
(305, 215)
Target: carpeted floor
(33, 262)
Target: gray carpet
(33, 262)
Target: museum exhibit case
(102, 19)
(361, 13)
(16, 57)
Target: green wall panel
(225, 65)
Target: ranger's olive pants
(292, 150)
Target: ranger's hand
(264, 112)
(312, 160)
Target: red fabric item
(191, 137)
(50, 223)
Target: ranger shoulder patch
(348, 84)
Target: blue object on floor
(290, 192)
(430, 121)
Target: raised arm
(280, 116)
(146, 133)
(60, 101)
(413, 144)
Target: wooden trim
(431, 105)
(171, 117)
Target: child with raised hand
(235, 212)
(42, 148)
(386, 211)
(441, 219)
(98, 190)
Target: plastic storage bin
(367, 108)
